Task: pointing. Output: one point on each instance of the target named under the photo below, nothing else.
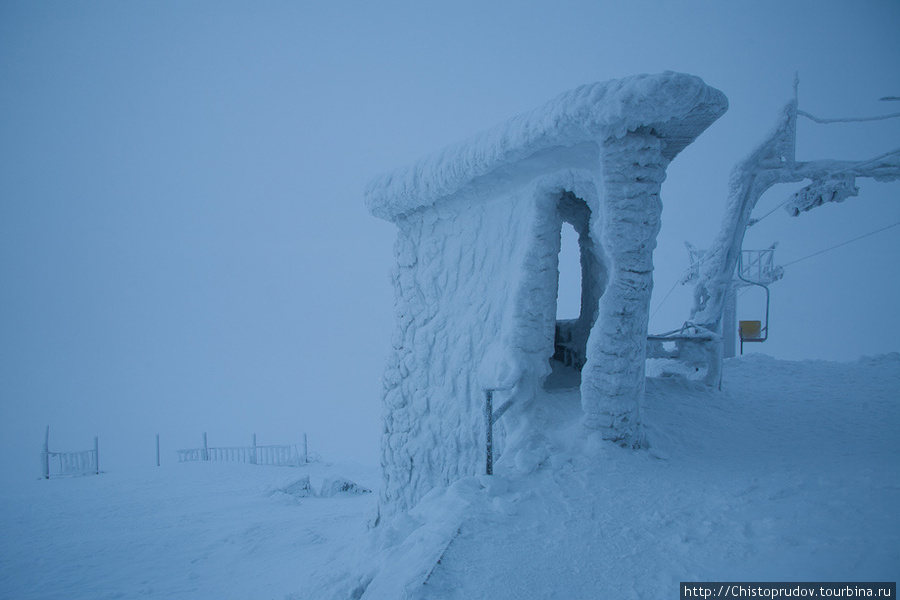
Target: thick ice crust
(476, 275)
(675, 106)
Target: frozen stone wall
(452, 292)
(470, 315)
(477, 268)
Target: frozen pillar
(612, 383)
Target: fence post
(305, 450)
(96, 455)
(205, 448)
(253, 455)
(157, 449)
(45, 454)
(489, 430)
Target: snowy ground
(792, 473)
(193, 530)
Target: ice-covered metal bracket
(491, 417)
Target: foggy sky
(183, 241)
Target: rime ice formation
(477, 270)
(772, 162)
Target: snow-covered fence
(275, 455)
(255, 455)
(54, 464)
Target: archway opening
(568, 297)
(581, 281)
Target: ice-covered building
(477, 269)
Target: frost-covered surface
(678, 107)
(792, 473)
(774, 161)
(455, 297)
(477, 269)
(191, 531)
(770, 163)
(612, 384)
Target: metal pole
(253, 456)
(157, 449)
(729, 322)
(205, 448)
(305, 449)
(45, 455)
(489, 430)
(96, 455)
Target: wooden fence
(86, 462)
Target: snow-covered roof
(676, 106)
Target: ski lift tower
(754, 268)
(772, 162)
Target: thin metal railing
(254, 455)
(282, 455)
(490, 417)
